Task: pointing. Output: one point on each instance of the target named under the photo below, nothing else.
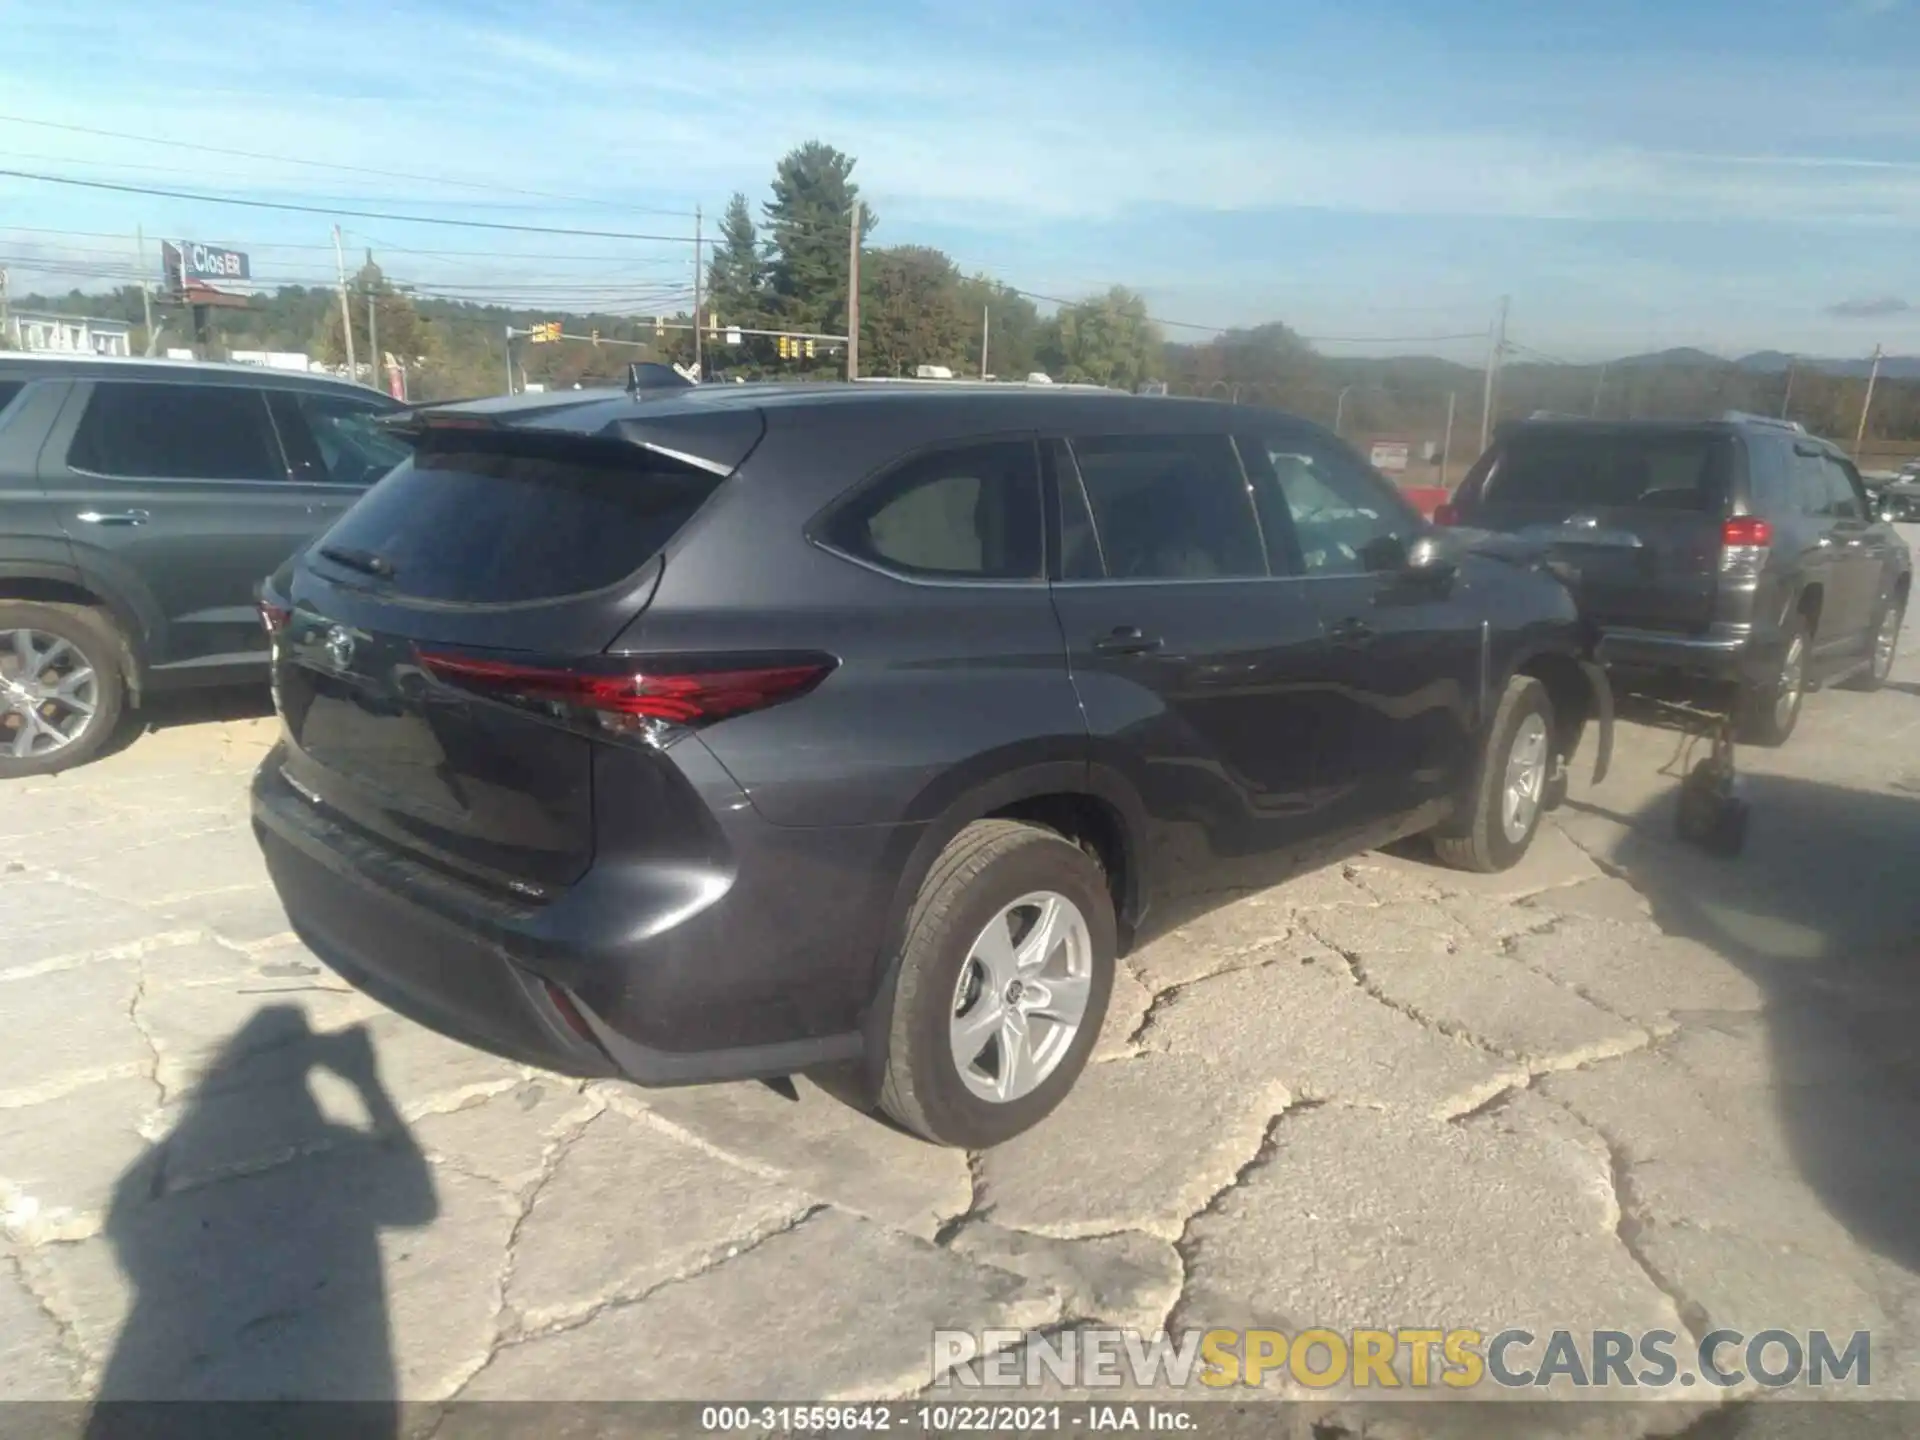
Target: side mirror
(1430, 558)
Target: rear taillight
(1446, 514)
(644, 698)
(1744, 542)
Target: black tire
(988, 866)
(1877, 671)
(1477, 840)
(1761, 718)
(99, 645)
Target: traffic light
(546, 333)
(785, 347)
(809, 349)
(659, 326)
(596, 337)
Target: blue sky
(1634, 175)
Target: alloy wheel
(1021, 997)
(1526, 778)
(49, 693)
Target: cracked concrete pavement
(1624, 1086)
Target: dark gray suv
(141, 502)
(1740, 551)
(748, 730)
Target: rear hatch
(495, 564)
(1632, 516)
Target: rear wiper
(364, 561)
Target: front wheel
(1498, 825)
(1886, 642)
(1002, 986)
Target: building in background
(46, 333)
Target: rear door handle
(1351, 631)
(113, 517)
(1126, 640)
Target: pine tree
(736, 274)
(808, 221)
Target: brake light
(1744, 541)
(620, 695)
(274, 617)
(1446, 513)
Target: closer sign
(187, 262)
(1389, 456)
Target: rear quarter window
(964, 512)
(519, 519)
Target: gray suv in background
(141, 504)
(1740, 552)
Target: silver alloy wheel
(1021, 996)
(48, 694)
(1526, 779)
(1885, 642)
(1793, 683)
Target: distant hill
(1772, 362)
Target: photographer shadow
(250, 1238)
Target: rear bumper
(1727, 653)
(674, 978)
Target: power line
(334, 211)
(331, 165)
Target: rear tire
(63, 682)
(1500, 822)
(1769, 714)
(967, 958)
(1885, 641)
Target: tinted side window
(1810, 495)
(177, 432)
(332, 439)
(1342, 517)
(1845, 500)
(967, 513)
(9, 389)
(1080, 557)
(1170, 507)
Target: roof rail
(1742, 417)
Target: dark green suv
(141, 503)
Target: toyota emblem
(339, 647)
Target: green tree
(736, 273)
(401, 331)
(1013, 330)
(809, 220)
(1108, 340)
(910, 311)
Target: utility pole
(1446, 442)
(1495, 350)
(375, 364)
(4, 302)
(1339, 405)
(1598, 386)
(1787, 399)
(697, 348)
(853, 296)
(346, 311)
(509, 359)
(146, 289)
(1873, 378)
(986, 333)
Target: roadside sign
(1389, 456)
(186, 262)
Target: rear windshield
(1646, 471)
(509, 520)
